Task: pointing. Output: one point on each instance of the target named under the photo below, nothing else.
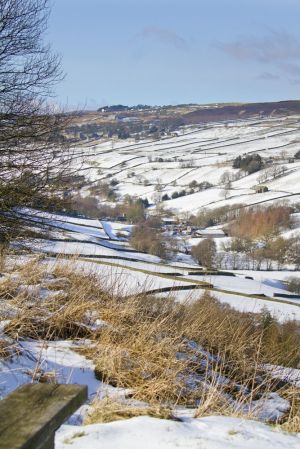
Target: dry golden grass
(113, 409)
(59, 316)
(138, 349)
(31, 272)
(8, 288)
(5, 349)
(166, 353)
(292, 421)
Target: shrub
(134, 209)
(205, 185)
(88, 206)
(205, 252)
(149, 240)
(104, 190)
(250, 163)
(277, 249)
(114, 182)
(293, 284)
(193, 184)
(294, 252)
(153, 221)
(200, 186)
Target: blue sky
(176, 51)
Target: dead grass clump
(34, 324)
(56, 284)
(244, 339)
(31, 272)
(3, 254)
(280, 341)
(5, 349)
(231, 336)
(8, 288)
(172, 353)
(38, 375)
(292, 422)
(139, 349)
(65, 315)
(213, 401)
(110, 409)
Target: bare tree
(34, 163)
(205, 252)
(225, 178)
(226, 191)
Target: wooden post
(31, 414)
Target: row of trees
(131, 208)
(139, 128)
(211, 217)
(256, 241)
(247, 255)
(260, 222)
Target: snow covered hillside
(202, 153)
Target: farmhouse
(169, 221)
(210, 233)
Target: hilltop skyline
(167, 52)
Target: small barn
(261, 189)
(210, 233)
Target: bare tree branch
(34, 158)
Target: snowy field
(201, 155)
(131, 272)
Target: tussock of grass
(5, 349)
(292, 422)
(111, 409)
(31, 272)
(8, 288)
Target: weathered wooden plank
(30, 415)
